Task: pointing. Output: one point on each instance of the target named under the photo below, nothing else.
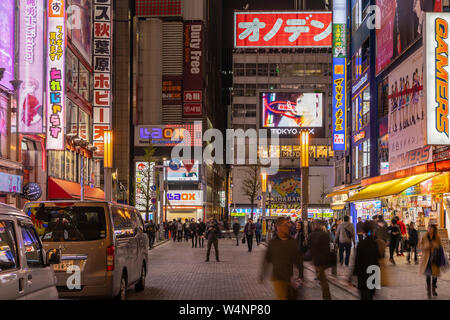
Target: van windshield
(70, 223)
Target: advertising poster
(193, 69)
(180, 173)
(437, 78)
(407, 115)
(56, 47)
(286, 189)
(31, 67)
(339, 28)
(282, 29)
(401, 24)
(79, 26)
(292, 110)
(7, 41)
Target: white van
(25, 271)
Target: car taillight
(110, 258)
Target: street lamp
(108, 162)
(304, 165)
(264, 190)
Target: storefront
(183, 204)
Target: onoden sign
(437, 78)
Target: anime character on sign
(287, 187)
(31, 106)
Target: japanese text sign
(282, 29)
(102, 65)
(339, 102)
(55, 75)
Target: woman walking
(431, 245)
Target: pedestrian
(301, 246)
(150, 228)
(236, 229)
(282, 253)
(179, 230)
(322, 257)
(186, 229)
(194, 232)
(258, 231)
(431, 247)
(394, 232)
(367, 255)
(174, 230)
(345, 235)
(403, 236)
(166, 230)
(201, 228)
(249, 231)
(359, 230)
(212, 234)
(413, 240)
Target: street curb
(331, 279)
(159, 243)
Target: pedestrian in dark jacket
(166, 230)
(301, 246)
(212, 234)
(201, 229)
(319, 244)
(359, 229)
(249, 231)
(394, 232)
(345, 235)
(236, 229)
(258, 231)
(194, 232)
(179, 230)
(282, 253)
(186, 230)
(413, 240)
(150, 228)
(367, 255)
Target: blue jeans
(347, 247)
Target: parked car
(105, 241)
(25, 268)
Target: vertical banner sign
(339, 75)
(436, 46)
(55, 74)
(31, 67)
(102, 64)
(193, 69)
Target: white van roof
(11, 210)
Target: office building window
(263, 70)
(238, 90)
(274, 70)
(239, 69)
(365, 107)
(250, 69)
(250, 90)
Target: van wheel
(140, 286)
(123, 288)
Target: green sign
(339, 41)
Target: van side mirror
(53, 256)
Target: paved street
(178, 272)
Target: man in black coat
(236, 229)
(367, 254)
(319, 244)
(212, 234)
(194, 232)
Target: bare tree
(148, 177)
(251, 185)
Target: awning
(337, 207)
(343, 190)
(392, 187)
(61, 189)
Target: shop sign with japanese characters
(55, 75)
(102, 65)
(339, 103)
(282, 29)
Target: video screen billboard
(401, 24)
(291, 110)
(177, 171)
(79, 26)
(254, 29)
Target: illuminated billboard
(7, 41)
(254, 29)
(31, 67)
(437, 78)
(168, 135)
(176, 171)
(339, 117)
(291, 110)
(56, 47)
(184, 198)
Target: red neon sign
(282, 29)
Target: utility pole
(304, 165)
